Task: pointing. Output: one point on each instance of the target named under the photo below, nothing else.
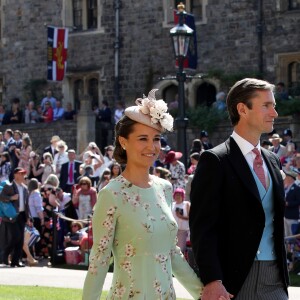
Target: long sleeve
(204, 217)
(104, 223)
(180, 267)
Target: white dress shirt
(249, 155)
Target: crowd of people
(46, 187)
(56, 193)
(50, 109)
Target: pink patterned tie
(258, 167)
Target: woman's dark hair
(6, 155)
(33, 184)
(123, 128)
(242, 92)
(27, 140)
(112, 166)
(196, 146)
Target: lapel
(241, 167)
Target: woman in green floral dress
(133, 217)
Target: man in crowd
(49, 98)
(13, 232)
(58, 111)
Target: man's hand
(215, 290)
(14, 197)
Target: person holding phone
(181, 210)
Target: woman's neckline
(139, 187)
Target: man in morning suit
(13, 238)
(69, 172)
(237, 205)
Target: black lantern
(180, 35)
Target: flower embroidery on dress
(157, 287)
(129, 250)
(119, 290)
(126, 265)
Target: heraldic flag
(57, 53)
(190, 62)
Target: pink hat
(171, 156)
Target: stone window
(195, 7)
(83, 16)
(78, 92)
(288, 71)
(294, 5)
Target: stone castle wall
(227, 42)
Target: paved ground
(56, 277)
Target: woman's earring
(124, 148)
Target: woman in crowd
(48, 166)
(31, 237)
(48, 192)
(47, 116)
(133, 217)
(181, 211)
(35, 164)
(162, 173)
(176, 168)
(61, 156)
(35, 203)
(107, 159)
(5, 166)
(45, 169)
(194, 157)
(104, 180)
(115, 170)
(23, 154)
(84, 198)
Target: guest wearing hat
(181, 211)
(135, 210)
(277, 148)
(52, 147)
(61, 156)
(287, 139)
(160, 162)
(176, 168)
(292, 201)
(205, 140)
(13, 231)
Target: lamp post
(180, 35)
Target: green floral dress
(137, 226)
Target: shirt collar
(243, 144)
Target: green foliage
(33, 89)
(288, 107)
(206, 118)
(229, 79)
